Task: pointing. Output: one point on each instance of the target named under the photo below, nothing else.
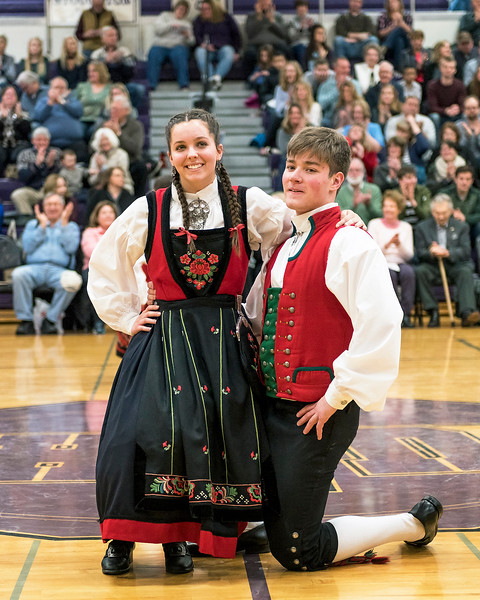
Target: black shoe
(48, 328)
(428, 511)
(25, 328)
(177, 558)
(434, 318)
(254, 541)
(407, 323)
(470, 318)
(118, 558)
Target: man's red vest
(312, 327)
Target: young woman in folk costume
(181, 447)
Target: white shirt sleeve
(268, 220)
(112, 280)
(357, 275)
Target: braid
(183, 203)
(233, 204)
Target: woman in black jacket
(14, 128)
(111, 188)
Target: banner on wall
(67, 12)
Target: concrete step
(167, 109)
(230, 121)
(234, 140)
(262, 181)
(245, 161)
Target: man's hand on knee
(316, 414)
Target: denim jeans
(219, 62)
(26, 278)
(354, 50)
(178, 56)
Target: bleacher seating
(7, 186)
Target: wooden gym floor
(426, 441)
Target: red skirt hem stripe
(157, 533)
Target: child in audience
(73, 173)
(409, 83)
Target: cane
(446, 289)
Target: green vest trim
(267, 347)
(298, 369)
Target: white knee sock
(359, 534)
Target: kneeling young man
(330, 346)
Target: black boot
(434, 318)
(428, 511)
(118, 558)
(177, 558)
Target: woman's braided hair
(233, 203)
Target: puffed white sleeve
(112, 280)
(268, 219)
(357, 274)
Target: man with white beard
(358, 195)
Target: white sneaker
(215, 82)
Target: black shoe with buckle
(177, 558)
(428, 511)
(254, 541)
(118, 558)
(48, 328)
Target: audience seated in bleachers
(172, 41)
(366, 72)
(72, 64)
(110, 187)
(61, 112)
(318, 47)
(395, 238)
(8, 70)
(443, 236)
(107, 153)
(131, 135)
(34, 164)
(32, 90)
(90, 24)
(400, 165)
(299, 28)
(394, 26)
(353, 31)
(263, 26)
(358, 195)
(14, 128)
(92, 94)
(218, 42)
(120, 63)
(102, 217)
(386, 172)
(49, 242)
(35, 60)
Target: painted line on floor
(256, 577)
(469, 545)
(470, 345)
(22, 578)
(103, 367)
